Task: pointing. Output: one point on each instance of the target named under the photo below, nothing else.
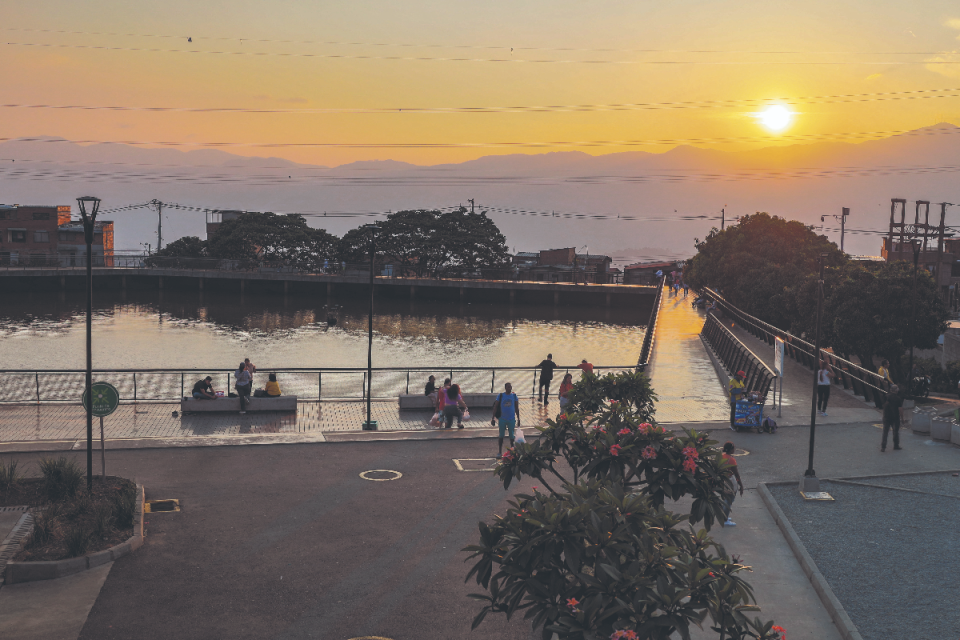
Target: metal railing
(736, 356)
(650, 336)
(13, 261)
(308, 384)
(861, 381)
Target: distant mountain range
(535, 199)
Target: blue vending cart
(748, 415)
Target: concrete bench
(282, 403)
(422, 402)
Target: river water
(216, 330)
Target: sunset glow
(776, 117)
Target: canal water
(176, 330)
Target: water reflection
(180, 329)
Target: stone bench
(281, 403)
(474, 400)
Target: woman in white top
(824, 379)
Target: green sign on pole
(106, 398)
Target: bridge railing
(736, 356)
(861, 381)
(646, 351)
(14, 261)
(309, 384)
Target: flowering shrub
(595, 554)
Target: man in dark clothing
(892, 411)
(430, 387)
(546, 375)
(203, 390)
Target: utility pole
(470, 200)
(843, 224)
(723, 214)
(159, 206)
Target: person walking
(454, 406)
(243, 384)
(686, 289)
(728, 449)
(892, 415)
(509, 416)
(546, 376)
(824, 380)
(884, 371)
(735, 389)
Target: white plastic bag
(435, 420)
(519, 439)
(466, 416)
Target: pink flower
(507, 455)
(572, 604)
(563, 416)
(598, 427)
(613, 403)
(624, 634)
(615, 450)
(690, 453)
(623, 432)
(781, 631)
(649, 453)
(690, 465)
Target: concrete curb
(837, 613)
(16, 572)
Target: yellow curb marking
(364, 476)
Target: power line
(918, 94)
(812, 137)
(342, 56)
(467, 46)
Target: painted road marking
(365, 476)
(475, 464)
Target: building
(46, 236)
(943, 265)
(564, 265)
(525, 259)
(646, 272)
(216, 218)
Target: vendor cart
(748, 415)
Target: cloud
(947, 64)
(953, 23)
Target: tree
(468, 242)
(267, 237)
(185, 247)
(599, 555)
(758, 263)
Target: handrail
(862, 381)
(650, 336)
(20, 386)
(735, 355)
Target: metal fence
(650, 336)
(861, 381)
(328, 384)
(736, 356)
(381, 269)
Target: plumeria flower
(563, 416)
(507, 455)
(572, 604)
(649, 453)
(615, 450)
(690, 465)
(624, 634)
(690, 453)
(781, 631)
(623, 432)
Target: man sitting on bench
(203, 390)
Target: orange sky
(604, 68)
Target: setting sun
(776, 117)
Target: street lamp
(370, 425)
(89, 222)
(809, 483)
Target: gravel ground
(890, 556)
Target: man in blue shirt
(509, 414)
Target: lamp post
(89, 222)
(809, 482)
(915, 245)
(370, 425)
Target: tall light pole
(370, 425)
(89, 223)
(809, 482)
(915, 245)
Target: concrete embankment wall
(482, 291)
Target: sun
(776, 117)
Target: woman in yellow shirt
(272, 388)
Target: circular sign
(106, 398)
(374, 472)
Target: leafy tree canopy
(268, 237)
(185, 247)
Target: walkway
(681, 371)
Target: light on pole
(89, 222)
(809, 483)
(370, 425)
